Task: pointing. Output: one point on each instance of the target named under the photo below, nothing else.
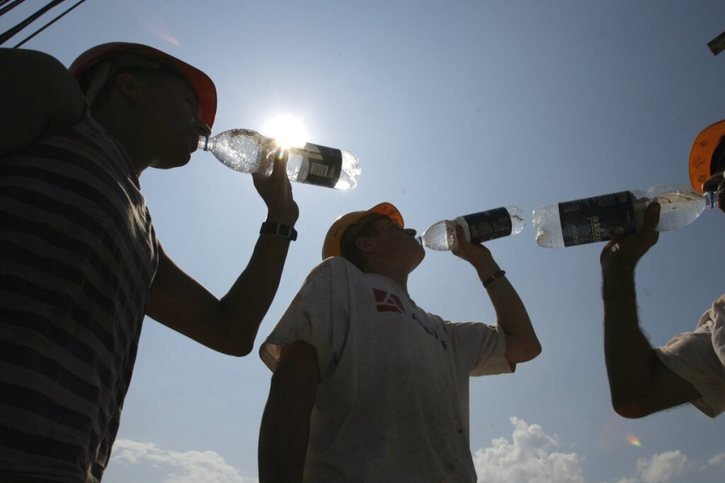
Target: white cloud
(659, 468)
(177, 466)
(529, 458)
(716, 461)
(662, 467)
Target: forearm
(511, 315)
(282, 441)
(628, 354)
(284, 434)
(228, 325)
(243, 308)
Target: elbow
(239, 352)
(629, 409)
(631, 400)
(632, 405)
(532, 351)
(236, 340)
(522, 345)
(239, 349)
(234, 346)
(523, 352)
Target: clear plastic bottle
(591, 220)
(250, 152)
(478, 228)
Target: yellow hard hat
(703, 148)
(332, 246)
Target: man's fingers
(651, 217)
(280, 161)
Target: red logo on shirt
(387, 302)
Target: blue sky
(452, 107)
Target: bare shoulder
(39, 97)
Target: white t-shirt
(699, 357)
(392, 404)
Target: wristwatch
(285, 231)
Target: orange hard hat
(702, 163)
(201, 83)
(332, 245)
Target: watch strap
(496, 275)
(285, 231)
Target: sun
(287, 130)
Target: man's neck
(396, 274)
(127, 135)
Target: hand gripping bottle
(591, 220)
(477, 227)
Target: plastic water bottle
(250, 152)
(591, 220)
(477, 227)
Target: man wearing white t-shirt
(691, 366)
(369, 387)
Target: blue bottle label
(488, 225)
(325, 165)
(592, 220)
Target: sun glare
(287, 130)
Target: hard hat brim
(332, 245)
(201, 83)
(701, 154)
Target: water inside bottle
(679, 208)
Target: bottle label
(488, 225)
(325, 165)
(592, 219)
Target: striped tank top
(77, 257)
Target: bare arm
(229, 325)
(284, 434)
(39, 97)
(521, 342)
(639, 383)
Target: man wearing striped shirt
(80, 265)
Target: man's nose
(409, 231)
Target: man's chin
(171, 164)
(420, 259)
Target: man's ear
(128, 85)
(365, 244)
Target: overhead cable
(9, 7)
(47, 24)
(14, 30)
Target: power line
(3, 2)
(9, 7)
(47, 25)
(14, 30)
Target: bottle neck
(710, 198)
